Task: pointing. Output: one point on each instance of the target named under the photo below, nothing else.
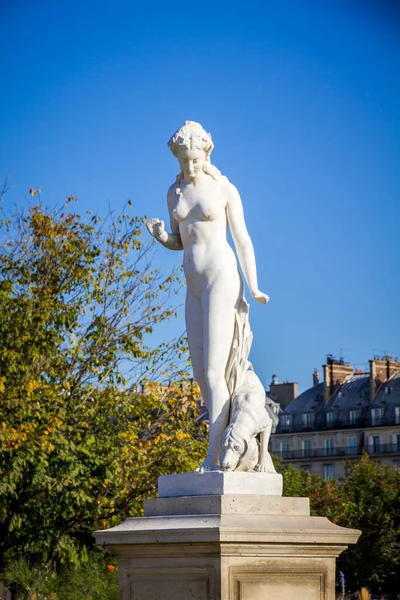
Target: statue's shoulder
(224, 182)
(172, 189)
(230, 189)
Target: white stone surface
(227, 547)
(219, 483)
(252, 522)
(202, 205)
(249, 417)
(227, 504)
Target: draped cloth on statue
(238, 363)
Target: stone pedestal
(228, 546)
(217, 483)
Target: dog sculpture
(240, 449)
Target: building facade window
(353, 417)
(285, 449)
(286, 422)
(396, 442)
(397, 415)
(352, 445)
(308, 420)
(329, 472)
(330, 417)
(376, 444)
(306, 448)
(329, 447)
(376, 414)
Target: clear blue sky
(303, 101)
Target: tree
(372, 491)
(84, 430)
(367, 499)
(326, 497)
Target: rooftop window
(286, 422)
(307, 420)
(330, 417)
(353, 416)
(376, 415)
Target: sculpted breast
(202, 210)
(208, 211)
(181, 211)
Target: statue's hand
(156, 228)
(260, 297)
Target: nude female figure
(202, 204)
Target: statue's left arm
(243, 244)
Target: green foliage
(373, 505)
(94, 580)
(369, 500)
(83, 430)
(326, 497)
(25, 580)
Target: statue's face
(191, 163)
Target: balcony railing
(340, 424)
(339, 451)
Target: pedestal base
(227, 547)
(216, 483)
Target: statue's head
(192, 146)
(191, 136)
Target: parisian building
(336, 420)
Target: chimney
(335, 372)
(283, 393)
(315, 378)
(380, 370)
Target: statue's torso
(201, 213)
(204, 202)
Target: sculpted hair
(192, 135)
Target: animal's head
(233, 446)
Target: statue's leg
(265, 463)
(194, 330)
(218, 305)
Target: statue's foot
(265, 468)
(207, 466)
(206, 469)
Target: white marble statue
(202, 204)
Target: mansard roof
(389, 392)
(388, 397)
(352, 394)
(308, 401)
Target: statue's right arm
(156, 228)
